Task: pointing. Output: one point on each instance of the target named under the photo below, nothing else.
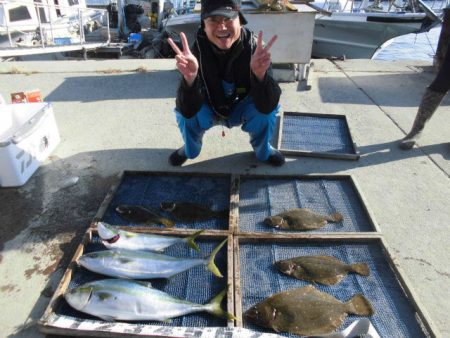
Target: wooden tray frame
(50, 317)
(49, 322)
(422, 316)
(342, 156)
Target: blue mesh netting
(321, 134)
(197, 285)
(263, 197)
(394, 315)
(151, 190)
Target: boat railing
(51, 24)
(181, 7)
(392, 6)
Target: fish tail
(214, 307)
(190, 240)
(359, 305)
(211, 265)
(167, 222)
(337, 217)
(360, 268)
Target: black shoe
(407, 144)
(276, 158)
(176, 159)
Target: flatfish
(306, 311)
(142, 215)
(128, 300)
(325, 270)
(191, 212)
(301, 219)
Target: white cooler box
(28, 134)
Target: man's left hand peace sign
(261, 58)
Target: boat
(28, 27)
(343, 28)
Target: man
(430, 102)
(226, 80)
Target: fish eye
(113, 239)
(274, 313)
(292, 267)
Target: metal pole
(7, 27)
(41, 31)
(107, 27)
(80, 22)
(444, 40)
(51, 19)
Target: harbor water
(411, 47)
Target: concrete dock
(117, 115)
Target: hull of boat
(353, 35)
(359, 36)
(187, 23)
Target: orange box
(28, 96)
(34, 95)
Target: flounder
(142, 215)
(191, 212)
(306, 311)
(301, 219)
(325, 270)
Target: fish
(306, 311)
(128, 300)
(142, 215)
(191, 212)
(325, 270)
(135, 264)
(301, 219)
(114, 238)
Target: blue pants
(260, 127)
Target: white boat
(345, 28)
(30, 27)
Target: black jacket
(232, 66)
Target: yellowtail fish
(114, 238)
(306, 311)
(325, 270)
(127, 300)
(301, 219)
(142, 215)
(143, 264)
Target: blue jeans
(260, 127)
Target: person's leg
(430, 102)
(192, 131)
(428, 105)
(260, 128)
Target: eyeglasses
(218, 19)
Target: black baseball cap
(227, 8)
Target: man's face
(222, 31)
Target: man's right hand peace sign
(187, 63)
